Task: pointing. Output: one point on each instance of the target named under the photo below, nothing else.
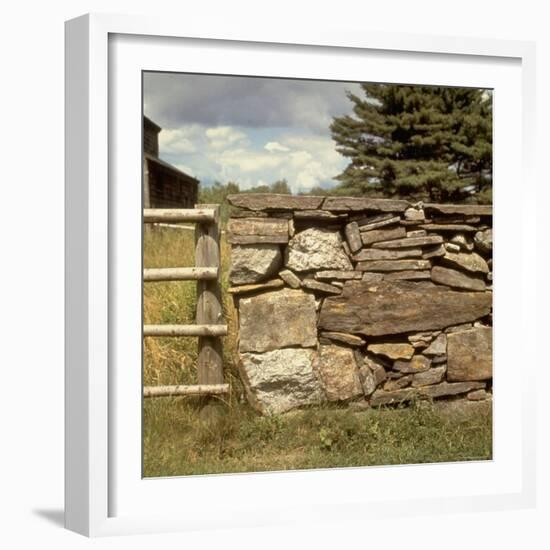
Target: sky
(248, 130)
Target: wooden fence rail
(208, 329)
(180, 215)
(180, 274)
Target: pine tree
(420, 142)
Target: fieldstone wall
(361, 301)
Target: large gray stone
(339, 373)
(276, 320)
(282, 379)
(254, 263)
(470, 354)
(393, 307)
(316, 249)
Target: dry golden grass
(168, 361)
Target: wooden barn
(164, 186)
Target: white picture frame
(104, 55)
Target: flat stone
(467, 261)
(372, 277)
(412, 275)
(247, 289)
(272, 201)
(316, 248)
(318, 286)
(276, 320)
(416, 233)
(461, 209)
(255, 230)
(478, 395)
(398, 383)
(438, 359)
(339, 373)
(254, 263)
(433, 375)
(471, 220)
(410, 242)
(456, 279)
(437, 347)
(368, 224)
(282, 379)
(392, 350)
(393, 307)
(346, 204)
(291, 279)
(414, 214)
(353, 236)
(434, 252)
(455, 227)
(444, 389)
(319, 215)
(418, 363)
(470, 354)
(393, 265)
(338, 275)
(343, 338)
(248, 214)
(483, 241)
(381, 254)
(376, 235)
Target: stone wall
(363, 301)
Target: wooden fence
(209, 325)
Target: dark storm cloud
(174, 100)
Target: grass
(176, 441)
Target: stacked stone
(358, 300)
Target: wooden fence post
(209, 302)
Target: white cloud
(181, 141)
(222, 137)
(275, 146)
(226, 153)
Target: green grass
(176, 441)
